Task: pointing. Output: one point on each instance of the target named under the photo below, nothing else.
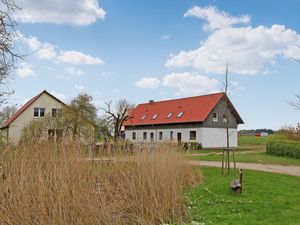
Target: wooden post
(234, 163)
(241, 180)
(223, 158)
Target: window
(160, 135)
(143, 117)
(180, 114)
(215, 117)
(169, 115)
(193, 135)
(171, 135)
(39, 112)
(224, 118)
(154, 117)
(133, 135)
(151, 136)
(145, 135)
(55, 112)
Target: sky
(163, 49)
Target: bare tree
(226, 162)
(7, 112)
(296, 103)
(7, 51)
(117, 115)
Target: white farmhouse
(36, 108)
(199, 119)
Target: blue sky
(141, 50)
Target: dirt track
(289, 170)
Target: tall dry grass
(53, 183)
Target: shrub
(53, 183)
(284, 148)
(190, 146)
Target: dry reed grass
(52, 183)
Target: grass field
(261, 157)
(256, 141)
(267, 199)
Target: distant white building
(199, 119)
(35, 109)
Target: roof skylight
(143, 117)
(154, 117)
(180, 114)
(169, 115)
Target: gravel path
(289, 169)
(220, 153)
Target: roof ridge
(176, 99)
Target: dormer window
(180, 114)
(169, 115)
(154, 117)
(215, 117)
(143, 117)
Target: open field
(267, 199)
(244, 141)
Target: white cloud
(247, 50)
(58, 95)
(80, 87)
(25, 70)
(73, 71)
(148, 82)
(48, 51)
(75, 12)
(214, 18)
(190, 83)
(165, 37)
(75, 58)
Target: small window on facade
(215, 117)
(145, 135)
(171, 135)
(180, 114)
(133, 135)
(193, 135)
(160, 135)
(169, 115)
(154, 117)
(151, 136)
(143, 117)
(55, 112)
(224, 118)
(39, 112)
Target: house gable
(15, 125)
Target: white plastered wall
(208, 137)
(17, 126)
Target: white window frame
(39, 112)
(143, 117)
(215, 119)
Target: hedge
(284, 148)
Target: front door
(179, 137)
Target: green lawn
(267, 199)
(256, 141)
(252, 158)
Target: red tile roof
(25, 106)
(195, 109)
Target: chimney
(151, 102)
